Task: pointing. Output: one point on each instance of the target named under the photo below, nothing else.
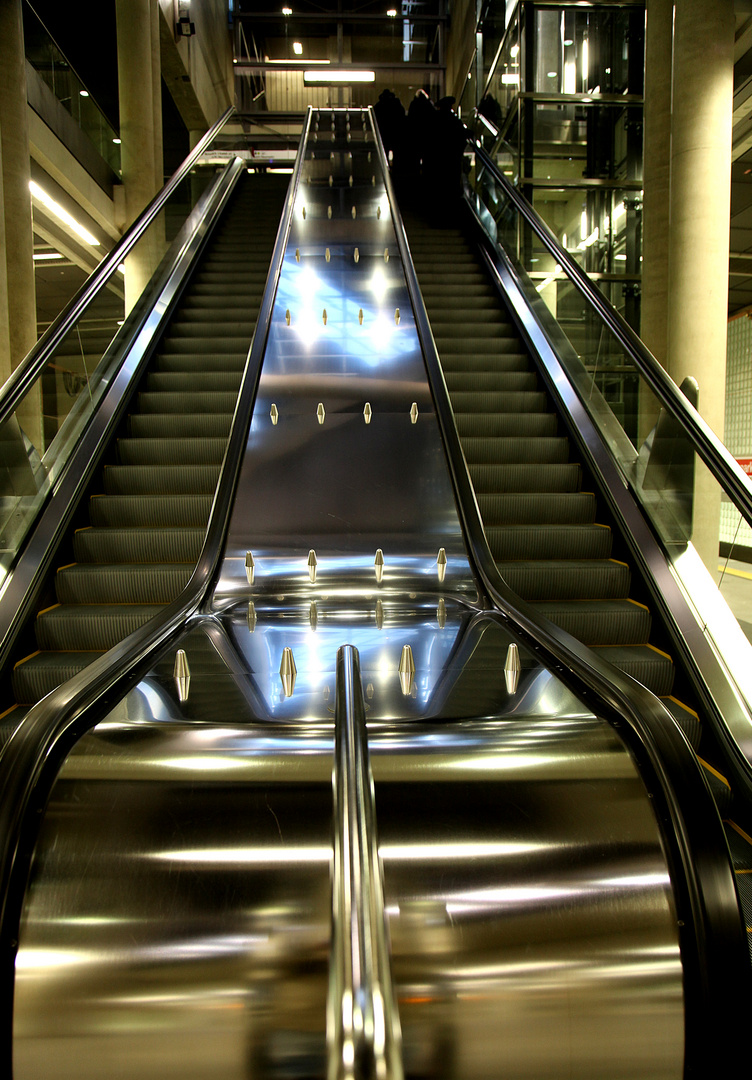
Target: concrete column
(656, 176)
(142, 174)
(15, 210)
(699, 225)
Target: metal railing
(363, 1028)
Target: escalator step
(176, 382)
(514, 450)
(36, 675)
(121, 583)
(185, 362)
(481, 381)
(554, 542)
(648, 665)
(236, 344)
(179, 511)
(483, 425)
(601, 622)
(196, 329)
(478, 362)
(719, 786)
(482, 330)
(740, 846)
(154, 479)
(567, 579)
(81, 627)
(9, 722)
(108, 545)
(549, 508)
(686, 718)
(180, 425)
(525, 478)
(171, 451)
(518, 401)
(210, 402)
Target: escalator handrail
(25, 375)
(362, 1017)
(719, 944)
(711, 449)
(33, 754)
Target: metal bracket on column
(363, 1029)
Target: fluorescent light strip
(336, 75)
(44, 256)
(287, 63)
(62, 214)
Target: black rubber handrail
(34, 753)
(716, 456)
(25, 375)
(714, 944)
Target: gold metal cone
(406, 670)
(312, 564)
(274, 414)
(441, 563)
(378, 565)
(250, 567)
(288, 672)
(182, 675)
(512, 669)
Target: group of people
(425, 146)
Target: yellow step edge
(618, 562)
(637, 604)
(10, 710)
(659, 651)
(683, 706)
(736, 828)
(715, 773)
(66, 567)
(82, 529)
(29, 657)
(46, 609)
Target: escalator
(141, 534)
(520, 866)
(548, 533)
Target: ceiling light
(568, 41)
(287, 11)
(392, 13)
(621, 258)
(289, 63)
(116, 142)
(337, 75)
(40, 256)
(62, 214)
(514, 51)
(83, 93)
(552, 74)
(297, 48)
(510, 80)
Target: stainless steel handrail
(23, 377)
(716, 456)
(35, 751)
(714, 946)
(363, 1030)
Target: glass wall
(562, 117)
